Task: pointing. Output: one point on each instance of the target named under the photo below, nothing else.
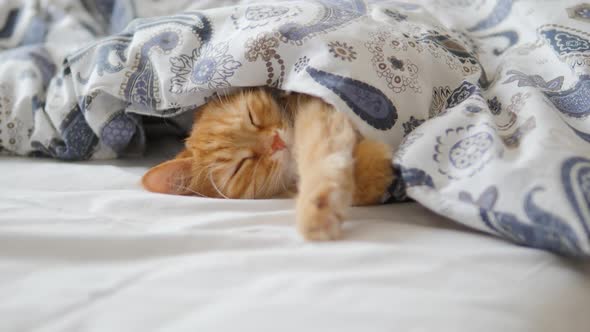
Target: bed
(486, 103)
(98, 253)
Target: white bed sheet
(84, 248)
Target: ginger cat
(254, 145)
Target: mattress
(84, 248)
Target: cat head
(240, 147)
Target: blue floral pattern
(141, 86)
(342, 51)
(461, 94)
(495, 106)
(469, 150)
(411, 124)
(564, 42)
(399, 73)
(463, 151)
(118, 132)
(406, 178)
(545, 230)
(256, 16)
(574, 102)
(334, 14)
(571, 45)
(440, 95)
(580, 12)
(575, 176)
(394, 14)
(499, 13)
(533, 80)
(208, 67)
(513, 140)
(366, 101)
(78, 139)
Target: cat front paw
(320, 215)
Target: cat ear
(170, 177)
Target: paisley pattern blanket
(487, 100)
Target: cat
(255, 144)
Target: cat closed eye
(252, 120)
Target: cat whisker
(223, 101)
(272, 178)
(195, 176)
(198, 175)
(283, 184)
(226, 98)
(264, 182)
(215, 186)
(281, 179)
(192, 191)
(255, 188)
(180, 187)
(177, 182)
(226, 182)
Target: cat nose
(277, 143)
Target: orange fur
(251, 145)
(372, 171)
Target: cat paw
(319, 215)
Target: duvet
(487, 103)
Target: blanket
(486, 102)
